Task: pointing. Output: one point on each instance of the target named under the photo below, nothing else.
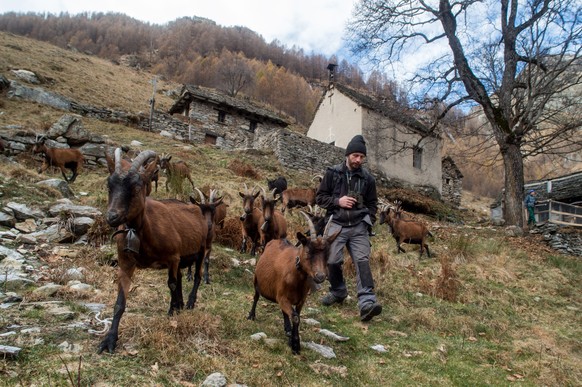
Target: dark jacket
(335, 185)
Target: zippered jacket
(338, 181)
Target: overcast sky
(315, 25)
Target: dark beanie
(357, 144)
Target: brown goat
(405, 230)
(285, 274)
(151, 234)
(208, 205)
(250, 220)
(298, 197)
(177, 170)
(272, 222)
(61, 158)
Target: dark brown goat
(175, 171)
(272, 222)
(208, 205)
(61, 158)
(285, 274)
(405, 230)
(250, 220)
(151, 234)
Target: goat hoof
(108, 344)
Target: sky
(316, 26)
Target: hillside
(487, 309)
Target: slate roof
(391, 110)
(244, 107)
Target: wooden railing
(558, 212)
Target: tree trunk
(513, 165)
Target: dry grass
(486, 309)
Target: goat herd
(176, 235)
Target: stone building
(228, 122)
(399, 145)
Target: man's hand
(347, 201)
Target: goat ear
(302, 238)
(194, 201)
(242, 195)
(110, 163)
(149, 170)
(257, 194)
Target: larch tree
(518, 61)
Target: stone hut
(452, 182)
(218, 119)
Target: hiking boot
(330, 299)
(370, 310)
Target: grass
(486, 310)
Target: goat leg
(206, 267)
(252, 313)
(175, 285)
(110, 341)
(295, 341)
(197, 279)
(287, 327)
(243, 246)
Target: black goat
(279, 185)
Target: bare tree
(234, 72)
(517, 60)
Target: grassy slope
(516, 314)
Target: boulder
(60, 185)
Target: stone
(215, 380)
(323, 350)
(60, 185)
(15, 281)
(82, 225)
(7, 220)
(28, 226)
(26, 76)
(22, 211)
(74, 273)
(65, 205)
(47, 290)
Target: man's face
(355, 160)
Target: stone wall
(292, 149)
(564, 240)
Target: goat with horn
(285, 274)
(150, 234)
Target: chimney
(331, 67)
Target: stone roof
(244, 107)
(395, 112)
(448, 160)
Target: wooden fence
(557, 212)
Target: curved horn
(320, 177)
(246, 189)
(273, 192)
(202, 199)
(212, 194)
(312, 232)
(325, 231)
(117, 158)
(264, 192)
(140, 159)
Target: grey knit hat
(357, 144)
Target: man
(348, 192)
(530, 203)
